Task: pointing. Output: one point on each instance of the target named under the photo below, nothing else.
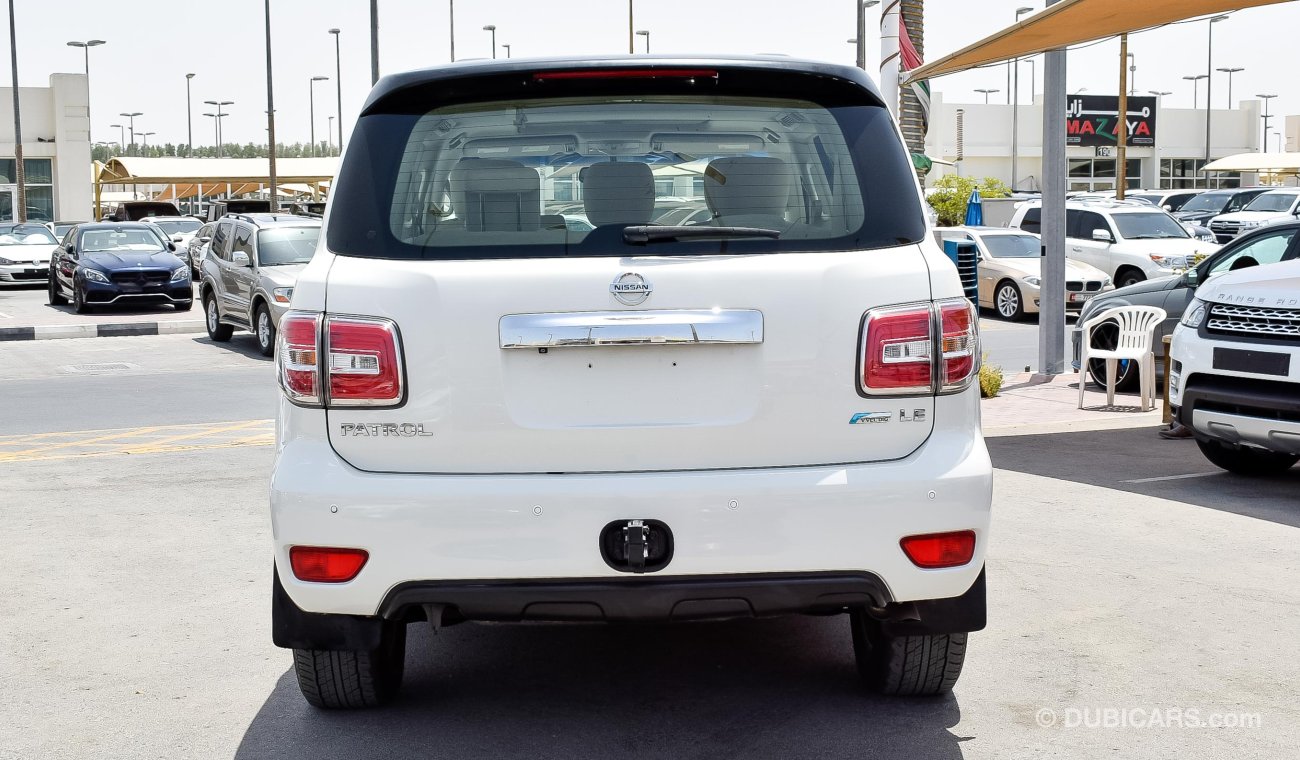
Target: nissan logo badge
(630, 288)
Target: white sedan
(25, 252)
(1010, 271)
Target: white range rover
(1235, 379)
(489, 414)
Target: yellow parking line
(117, 435)
(144, 440)
(196, 434)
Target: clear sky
(152, 44)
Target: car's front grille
(1074, 286)
(1254, 320)
(141, 278)
(1092, 286)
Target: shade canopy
(210, 171)
(1074, 22)
(1259, 163)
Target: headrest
(747, 186)
(496, 194)
(618, 193)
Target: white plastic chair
(1134, 343)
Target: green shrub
(952, 193)
(990, 380)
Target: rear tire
(56, 295)
(218, 332)
(353, 679)
(906, 666)
(1246, 461)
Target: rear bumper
(468, 532)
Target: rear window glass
(566, 176)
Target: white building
(978, 138)
(56, 150)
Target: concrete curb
(105, 330)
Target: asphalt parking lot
(1126, 578)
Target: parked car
(133, 211)
(1211, 203)
(59, 229)
(1174, 293)
(178, 229)
(218, 209)
(487, 419)
(25, 251)
(1265, 209)
(1235, 381)
(197, 248)
(248, 276)
(1010, 271)
(1130, 242)
(1169, 200)
(103, 263)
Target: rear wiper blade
(642, 234)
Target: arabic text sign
(1093, 120)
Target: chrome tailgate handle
(669, 327)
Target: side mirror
(205, 240)
(72, 251)
(239, 259)
(1191, 277)
(171, 247)
(178, 239)
(1102, 236)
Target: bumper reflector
(322, 564)
(937, 550)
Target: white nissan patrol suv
(489, 414)
(1235, 378)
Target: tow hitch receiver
(636, 546)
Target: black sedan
(118, 263)
(1266, 245)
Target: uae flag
(912, 60)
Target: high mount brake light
(324, 564)
(897, 356)
(938, 550)
(361, 361)
(627, 74)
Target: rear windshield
(568, 175)
(180, 226)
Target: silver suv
(248, 275)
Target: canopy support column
(1051, 319)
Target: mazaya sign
(1093, 120)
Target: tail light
(323, 564)
(898, 356)
(360, 360)
(939, 550)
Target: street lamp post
(1015, 110)
(645, 33)
(1230, 72)
(338, 86)
(85, 48)
(121, 135)
(493, 29)
(1196, 89)
(987, 93)
(216, 131)
(860, 18)
(1160, 95)
(1015, 63)
(146, 136)
(311, 109)
(189, 119)
(1263, 146)
(451, 37)
(1209, 83)
(374, 41)
(329, 141)
(131, 125)
(270, 115)
(506, 45)
(19, 176)
(220, 104)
